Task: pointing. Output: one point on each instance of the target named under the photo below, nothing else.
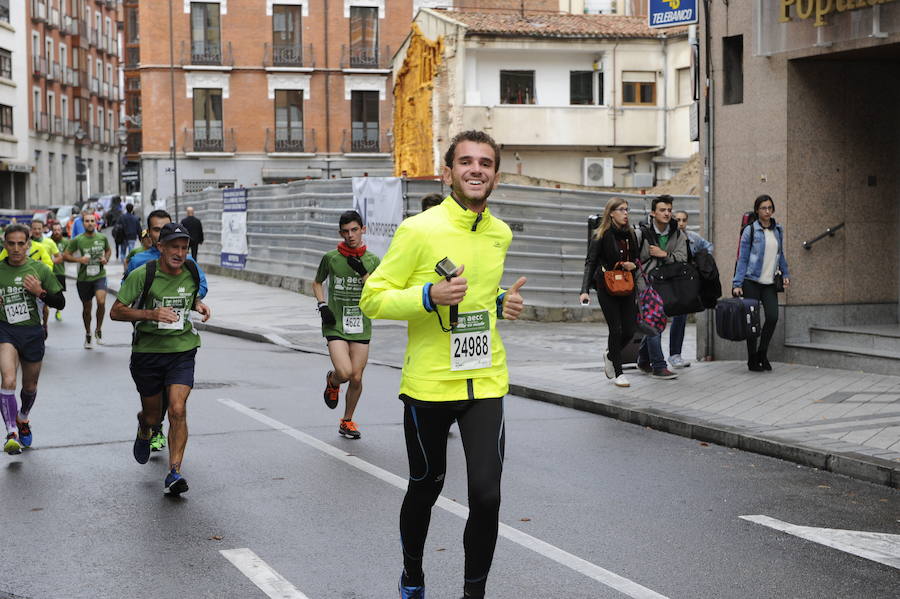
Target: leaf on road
(704, 444)
(824, 487)
(440, 549)
(279, 478)
(40, 509)
(524, 519)
(215, 538)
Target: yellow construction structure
(413, 149)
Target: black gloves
(357, 265)
(326, 314)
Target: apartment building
(73, 100)
(587, 99)
(15, 166)
(266, 91)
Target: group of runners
(441, 274)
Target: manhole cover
(211, 385)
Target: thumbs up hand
(513, 302)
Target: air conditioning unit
(597, 172)
(642, 179)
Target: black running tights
(483, 438)
(620, 312)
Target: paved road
(595, 498)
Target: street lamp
(79, 163)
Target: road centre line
(880, 547)
(564, 558)
(261, 574)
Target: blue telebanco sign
(671, 13)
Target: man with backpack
(695, 244)
(661, 242)
(159, 298)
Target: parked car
(64, 214)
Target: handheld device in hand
(447, 269)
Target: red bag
(618, 281)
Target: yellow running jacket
(440, 366)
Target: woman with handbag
(761, 272)
(608, 269)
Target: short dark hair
(479, 137)
(431, 200)
(158, 214)
(129, 207)
(760, 200)
(661, 199)
(349, 217)
(17, 228)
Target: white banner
(380, 202)
(234, 228)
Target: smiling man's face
(473, 174)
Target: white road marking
(262, 575)
(564, 558)
(880, 547)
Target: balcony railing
(132, 57)
(74, 77)
(289, 140)
(56, 126)
(53, 72)
(54, 18)
(39, 66)
(95, 86)
(289, 55)
(202, 52)
(365, 57)
(71, 128)
(104, 90)
(38, 11)
(95, 134)
(69, 25)
(94, 38)
(41, 123)
(213, 138)
(115, 94)
(365, 141)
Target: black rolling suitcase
(737, 318)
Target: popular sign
(672, 13)
(805, 9)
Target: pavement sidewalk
(842, 421)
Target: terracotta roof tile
(559, 25)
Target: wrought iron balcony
(364, 140)
(41, 123)
(52, 71)
(56, 126)
(365, 57)
(38, 66)
(104, 90)
(95, 86)
(39, 11)
(205, 53)
(290, 140)
(54, 18)
(94, 37)
(95, 134)
(289, 55)
(214, 138)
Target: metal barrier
(290, 227)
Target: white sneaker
(677, 361)
(621, 381)
(88, 344)
(608, 367)
(98, 339)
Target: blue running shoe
(142, 445)
(25, 434)
(410, 592)
(175, 483)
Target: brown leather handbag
(618, 281)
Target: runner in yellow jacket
(451, 373)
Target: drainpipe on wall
(614, 92)
(665, 98)
(327, 100)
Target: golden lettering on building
(805, 9)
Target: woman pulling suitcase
(761, 273)
(613, 251)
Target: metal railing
(104, 90)
(69, 25)
(290, 140)
(115, 94)
(52, 71)
(73, 76)
(56, 126)
(214, 138)
(132, 57)
(53, 21)
(95, 134)
(38, 65)
(360, 141)
(41, 123)
(206, 53)
(829, 232)
(94, 37)
(38, 11)
(95, 86)
(288, 55)
(365, 57)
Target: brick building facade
(266, 91)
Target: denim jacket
(750, 261)
(696, 243)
